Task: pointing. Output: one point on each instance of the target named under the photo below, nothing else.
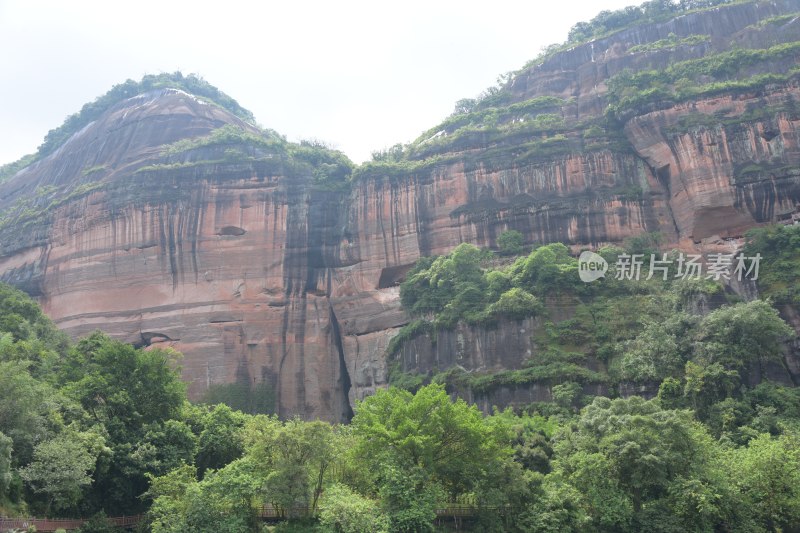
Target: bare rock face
(234, 255)
(225, 261)
(729, 174)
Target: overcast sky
(360, 76)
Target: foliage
(294, 458)
(779, 247)
(658, 351)
(449, 443)
(98, 523)
(112, 379)
(220, 436)
(622, 454)
(607, 22)
(231, 135)
(670, 43)
(708, 454)
(722, 72)
(449, 286)
(408, 498)
(480, 114)
(344, 511)
(331, 168)
(26, 405)
(553, 365)
(736, 335)
(9, 169)
(62, 467)
(6, 446)
(25, 321)
(192, 84)
(645, 332)
(457, 287)
(516, 304)
(510, 242)
(767, 474)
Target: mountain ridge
(169, 220)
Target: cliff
(170, 219)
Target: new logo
(591, 266)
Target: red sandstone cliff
(234, 255)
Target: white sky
(360, 76)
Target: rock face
(227, 262)
(233, 254)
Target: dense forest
(98, 427)
(689, 433)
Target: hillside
(161, 215)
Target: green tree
(293, 458)
(560, 509)
(220, 436)
(221, 503)
(737, 335)
(767, 474)
(779, 247)
(62, 468)
(510, 242)
(224, 502)
(27, 335)
(115, 380)
(627, 456)
(408, 497)
(168, 493)
(706, 384)
(565, 394)
(451, 285)
(164, 446)
(98, 523)
(547, 269)
(516, 304)
(26, 406)
(448, 440)
(131, 392)
(655, 353)
(344, 511)
(6, 446)
(21, 316)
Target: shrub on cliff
(517, 304)
(779, 274)
(510, 242)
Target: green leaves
(62, 467)
(448, 440)
(346, 511)
(728, 71)
(624, 453)
(293, 459)
(767, 474)
(457, 286)
(6, 446)
(516, 304)
(739, 334)
(115, 380)
(779, 247)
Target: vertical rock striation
(235, 253)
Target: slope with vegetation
(100, 427)
(663, 331)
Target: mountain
(161, 215)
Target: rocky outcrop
(227, 262)
(729, 173)
(234, 253)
